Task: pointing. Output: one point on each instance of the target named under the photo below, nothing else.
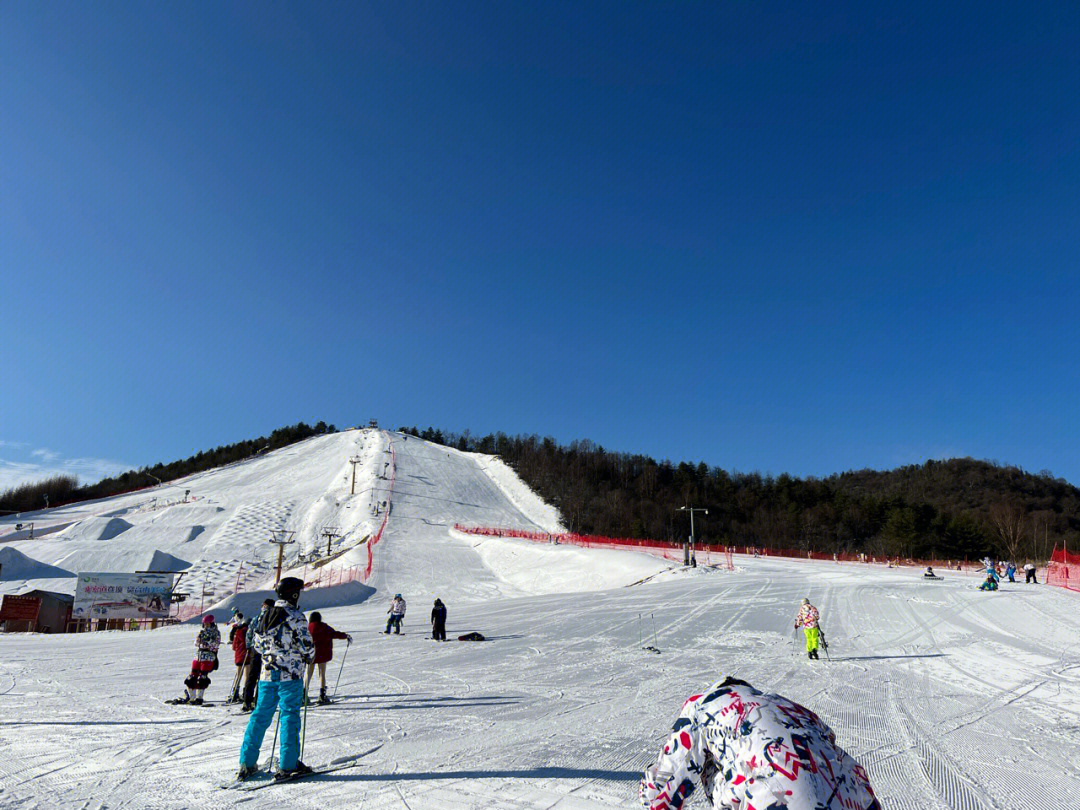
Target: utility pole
(330, 533)
(688, 548)
(281, 538)
(354, 461)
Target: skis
(264, 779)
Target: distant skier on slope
(1029, 574)
(322, 635)
(809, 620)
(991, 584)
(206, 661)
(283, 640)
(397, 615)
(438, 620)
(751, 749)
(1010, 571)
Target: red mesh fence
(1063, 570)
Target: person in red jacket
(323, 635)
(238, 641)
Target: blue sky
(801, 237)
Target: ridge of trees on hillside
(63, 489)
(954, 509)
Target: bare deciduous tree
(1007, 518)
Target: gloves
(348, 639)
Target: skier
(254, 660)
(1029, 574)
(238, 641)
(283, 640)
(991, 583)
(397, 614)
(206, 646)
(808, 620)
(1010, 571)
(322, 635)
(438, 620)
(754, 750)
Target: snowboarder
(753, 749)
(283, 640)
(397, 614)
(929, 573)
(238, 642)
(1010, 571)
(991, 583)
(808, 620)
(322, 636)
(1029, 574)
(254, 660)
(206, 661)
(438, 620)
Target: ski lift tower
(281, 538)
(330, 533)
(688, 548)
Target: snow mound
(161, 561)
(17, 566)
(249, 602)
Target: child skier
(284, 642)
(991, 583)
(808, 620)
(397, 614)
(438, 620)
(322, 635)
(752, 749)
(206, 661)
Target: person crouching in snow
(283, 640)
(206, 661)
(397, 614)
(808, 619)
(990, 584)
(751, 749)
(322, 635)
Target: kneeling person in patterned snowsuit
(754, 751)
(283, 640)
(206, 661)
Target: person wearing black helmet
(283, 640)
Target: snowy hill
(216, 526)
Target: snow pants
(812, 634)
(438, 630)
(1030, 577)
(395, 622)
(251, 677)
(286, 697)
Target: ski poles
(347, 645)
(824, 644)
(303, 726)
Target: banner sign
(122, 596)
(19, 608)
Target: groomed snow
(950, 697)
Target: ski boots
(300, 770)
(246, 772)
(197, 702)
(323, 699)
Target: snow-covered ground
(950, 697)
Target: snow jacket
(397, 607)
(250, 639)
(438, 613)
(238, 640)
(323, 635)
(283, 640)
(808, 616)
(754, 750)
(207, 643)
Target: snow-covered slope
(216, 526)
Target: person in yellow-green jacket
(809, 620)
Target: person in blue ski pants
(284, 642)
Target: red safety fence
(667, 550)
(1063, 570)
(374, 541)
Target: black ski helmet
(289, 589)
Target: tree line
(954, 509)
(61, 489)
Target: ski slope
(953, 699)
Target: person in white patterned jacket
(754, 751)
(283, 640)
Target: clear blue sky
(801, 237)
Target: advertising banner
(19, 608)
(122, 596)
